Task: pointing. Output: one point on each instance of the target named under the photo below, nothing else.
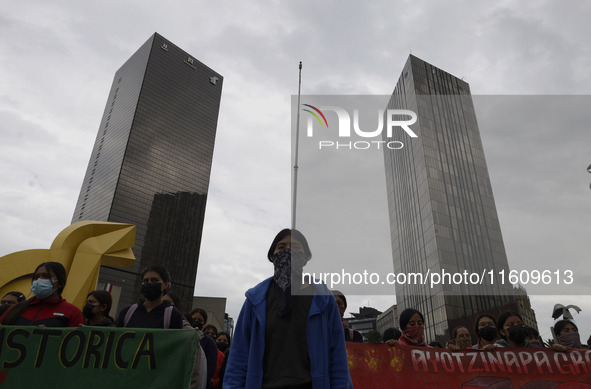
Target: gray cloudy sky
(57, 61)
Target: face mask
(152, 291)
(198, 324)
(222, 346)
(42, 288)
(487, 333)
(570, 340)
(283, 262)
(87, 311)
(517, 334)
(415, 335)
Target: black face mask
(87, 311)
(487, 333)
(198, 324)
(517, 334)
(222, 346)
(152, 291)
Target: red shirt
(216, 375)
(58, 313)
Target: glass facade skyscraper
(441, 207)
(151, 162)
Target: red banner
(382, 366)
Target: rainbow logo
(316, 116)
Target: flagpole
(295, 166)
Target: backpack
(167, 315)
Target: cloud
(58, 61)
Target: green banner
(96, 357)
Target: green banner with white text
(96, 357)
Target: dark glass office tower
(441, 207)
(151, 162)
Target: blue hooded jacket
(326, 342)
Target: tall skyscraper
(441, 207)
(151, 162)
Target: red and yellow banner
(382, 366)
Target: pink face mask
(415, 335)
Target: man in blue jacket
(285, 340)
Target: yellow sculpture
(82, 248)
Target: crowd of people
(290, 333)
(508, 330)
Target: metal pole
(295, 166)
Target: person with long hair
(211, 331)
(152, 311)
(567, 334)
(485, 328)
(47, 308)
(412, 325)
(199, 318)
(207, 342)
(97, 308)
(289, 332)
(512, 330)
(223, 341)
